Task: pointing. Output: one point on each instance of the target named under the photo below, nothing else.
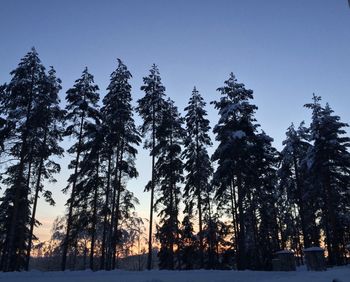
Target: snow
(238, 134)
(314, 249)
(284, 252)
(228, 110)
(341, 274)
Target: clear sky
(283, 50)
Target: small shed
(284, 261)
(314, 259)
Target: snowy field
(341, 274)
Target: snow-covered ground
(341, 274)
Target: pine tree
(264, 197)
(197, 164)
(106, 156)
(29, 87)
(236, 133)
(89, 184)
(168, 177)
(128, 222)
(150, 109)
(216, 233)
(48, 120)
(329, 165)
(122, 138)
(188, 245)
(294, 180)
(81, 108)
(208, 231)
(18, 101)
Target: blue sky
(283, 50)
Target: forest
(233, 209)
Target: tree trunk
(94, 217)
(117, 210)
(199, 198)
(300, 193)
(105, 219)
(201, 244)
(36, 196)
(241, 254)
(149, 258)
(11, 263)
(112, 225)
(70, 213)
(234, 213)
(210, 236)
(332, 238)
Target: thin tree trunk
(36, 196)
(94, 217)
(234, 213)
(199, 190)
(149, 258)
(117, 211)
(236, 217)
(210, 237)
(306, 237)
(29, 173)
(105, 220)
(70, 213)
(173, 209)
(111, 228)
(201, 244)
(74, 262)
(171, 239)
(241, 258)
(22, 235)
(85, 255)
(27, 185)
(331, 224)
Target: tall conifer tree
(294, 180)
(150, 109)
(81, 109)
(329, 164)
(236, 133)
(122, 137)
(48, 120)
(29, 89)
(198, 165)
(168, 177)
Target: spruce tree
(150, 109)
(188, 245)
(128, 221)
(81, 109)
(294, 180)
(89, 185)
(29, 87)
(329, 164)
(216, 238)
(122, 137)
(18, 101)
(168, 177)
(48, 121)
(235, 132)
(198, 165)
(264, 201)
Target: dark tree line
(233, 209)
